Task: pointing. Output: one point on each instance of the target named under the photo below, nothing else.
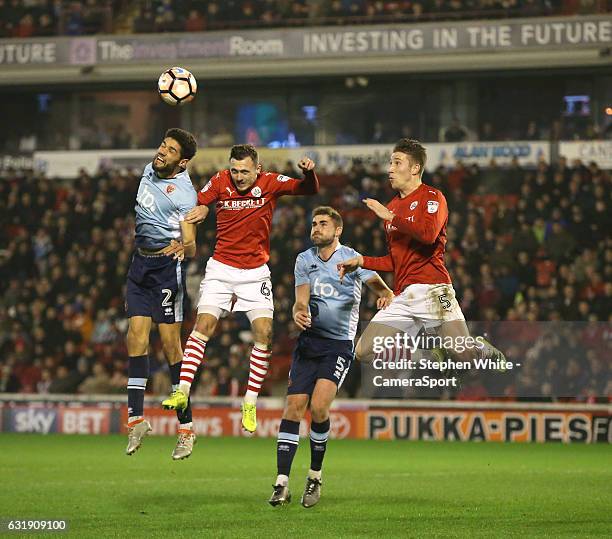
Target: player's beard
(164, 170)
(320, 241)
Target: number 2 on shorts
(167, 302)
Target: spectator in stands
(195, 21)
(379, 135)
(222, 137)
(532, 131)
(42, 386)
(226, 385)
(65, 381)
(9, 383)
(487, 132)
(98, 382)
(455, 132)
(145, 22)
(25, 28)
(74, 20)
(213, 13)
(46, 26)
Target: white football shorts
(426, 304)
(226, 288)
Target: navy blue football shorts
(315, 358)
(156, 288)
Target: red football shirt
(416, 238)
(243, 221)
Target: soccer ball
(177, 86)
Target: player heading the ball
(244, 197)
(156, 279)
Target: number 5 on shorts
(340, 365)
(446, 304)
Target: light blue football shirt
(334, 306)
(161, 203)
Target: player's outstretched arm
(382, 291)
(197, 215)
(301, 316)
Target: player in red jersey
(237, 276)
(415, 225)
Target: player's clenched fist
(302, 319)
(306, 164)
(351, 264)
(196, 215)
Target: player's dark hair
(242, 151)
(414, 149)
(186, 141)
(330, 212)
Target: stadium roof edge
(219, 69)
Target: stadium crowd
(46, 18)
(175, 16)
(28, 18)
(525, 246)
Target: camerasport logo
(170, 188)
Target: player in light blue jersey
(156, 279)
(326, 309)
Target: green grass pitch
(371, 489)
